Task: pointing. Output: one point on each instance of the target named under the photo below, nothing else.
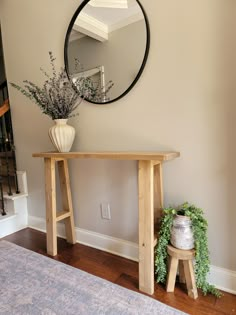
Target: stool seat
(180, 253)
(184, 260)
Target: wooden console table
(150, 201)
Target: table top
(123, 155)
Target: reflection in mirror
(106, 46)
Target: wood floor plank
(123, 272)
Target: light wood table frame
(150, 201)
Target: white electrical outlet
(105, 211)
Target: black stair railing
(3, 91)
(8, 176)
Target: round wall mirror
(106, 48)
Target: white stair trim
(13, 222)
(16, 208)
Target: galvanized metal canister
(181, 233)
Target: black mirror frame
(80, 8)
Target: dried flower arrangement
(59, 97)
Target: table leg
(67, 200)
(158, 193)
(146, 227)
(50, 195)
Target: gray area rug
(33, 284)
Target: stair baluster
(7, 148)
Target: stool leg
(190, 279)
(172, 274)
(181, 272)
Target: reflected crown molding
(92, 27)
(98, 30)
(119, 4)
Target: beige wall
(183, 101)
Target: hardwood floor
(123, 272)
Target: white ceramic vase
(62, 135)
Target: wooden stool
(183, 258)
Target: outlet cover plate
(106, 211)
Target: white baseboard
(223, 279)
(96, 240)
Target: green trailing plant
(199, 228)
